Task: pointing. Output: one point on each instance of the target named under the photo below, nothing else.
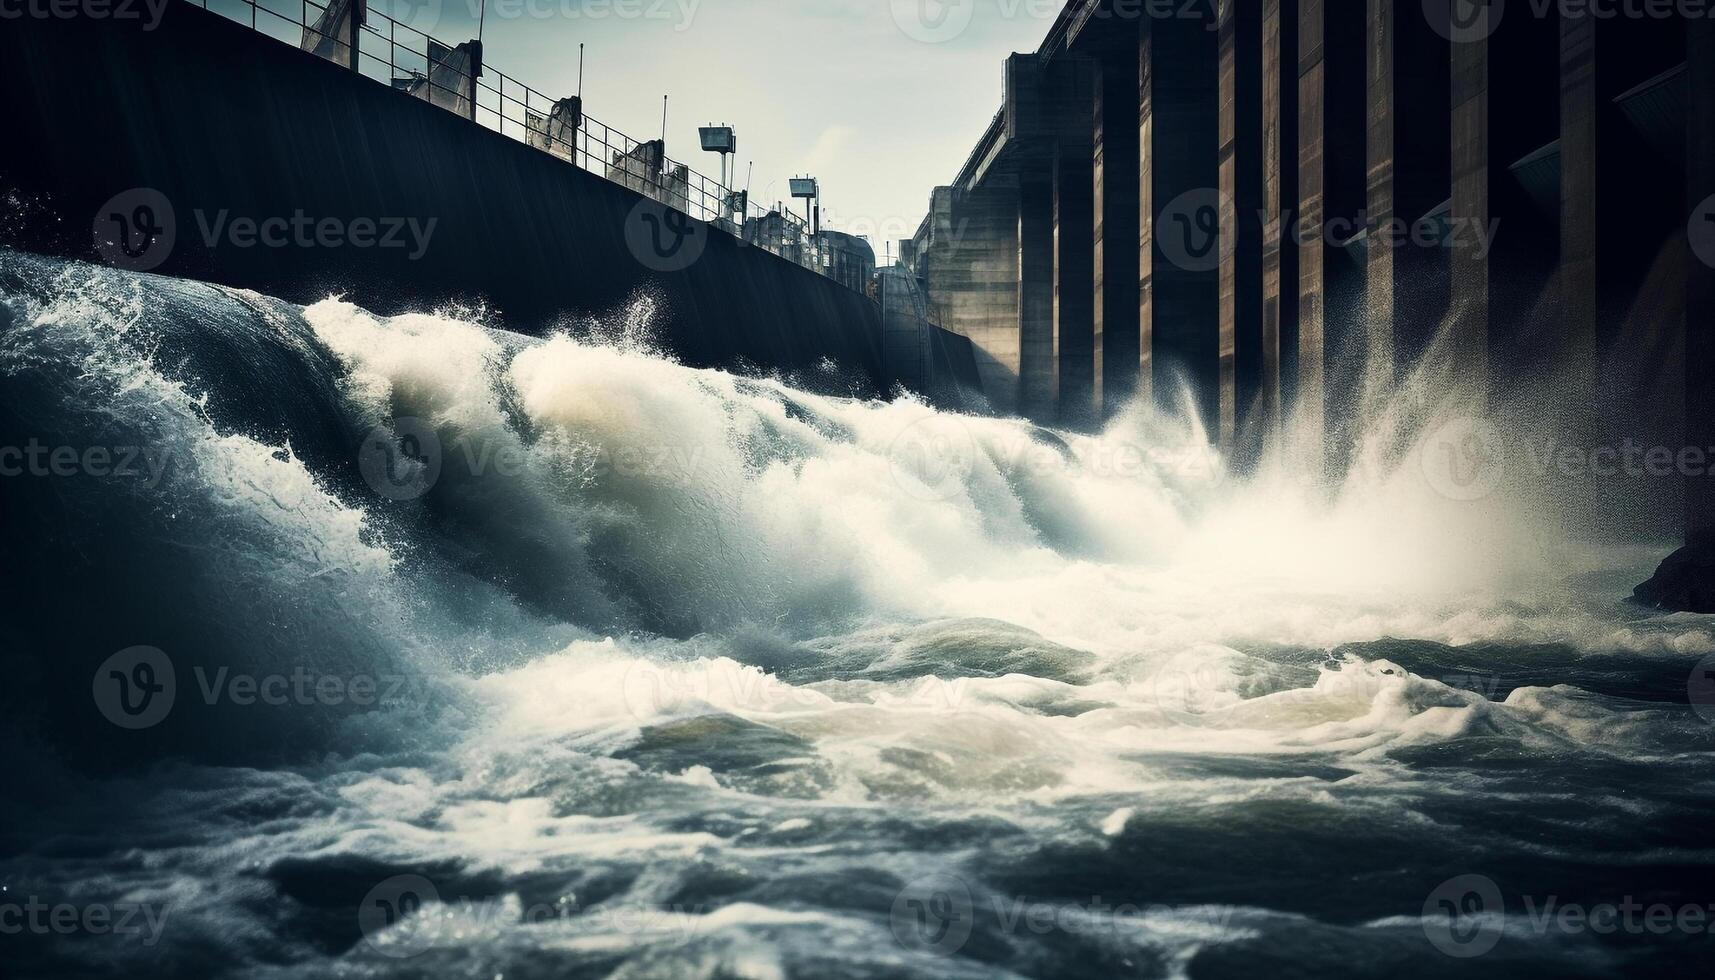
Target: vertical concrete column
(1578, 193)
(1118, 341)
(1226, 341)
(970, 268)
(1379, 145)
(1274, 80)
(1700, 281)
(1469, 342)
(1241, 355)
(1038, 365)
(1185, 163)
(1407, 175)
(1311, 408)
(1074, 283)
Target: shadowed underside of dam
(1291, 204)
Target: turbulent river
(346, 645)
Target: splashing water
(687, 673)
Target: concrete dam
(442, 535)
(235, 142)
(1284, 204)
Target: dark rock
(1685, 582)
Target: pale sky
(879, 99)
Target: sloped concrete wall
(218, 118)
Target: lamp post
(807, 189)
(722, 140)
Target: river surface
(411, 647)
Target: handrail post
(359, 17)
(476, 73)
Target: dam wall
(1279, 211)
(254, 164)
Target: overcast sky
(880, 99)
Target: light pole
(807, 189)
(722, 140)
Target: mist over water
(693, 674)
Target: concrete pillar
(1038, 366)
(1469, 340)
(1578, 155)
(1379, 162)
(1117, 332)
(1075, 284)
(1311, 406)
(1700, 280)
(1407, 176)
(970, 267)
(1190, 337)
(1279, 173)
(1241, 343)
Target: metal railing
(420, 65)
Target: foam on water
(757, 655)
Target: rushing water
(468, 654)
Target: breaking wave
(713, 668)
